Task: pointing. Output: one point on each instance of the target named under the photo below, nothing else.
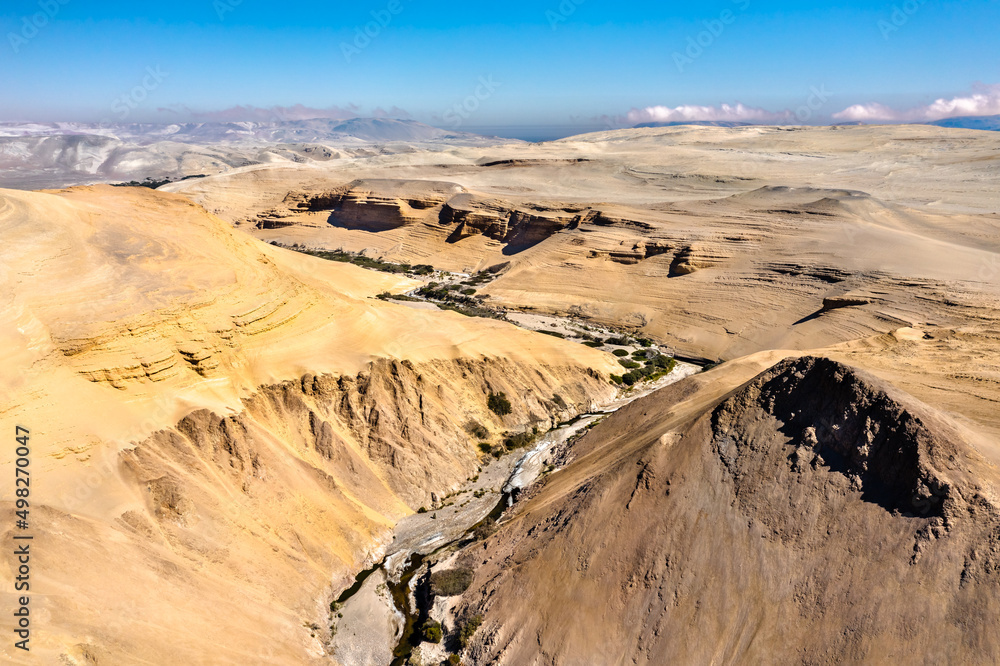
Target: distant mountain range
(353, 131)
(52, 155)
(991, 123)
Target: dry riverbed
(368, 627)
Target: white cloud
(984, 100)
(725, 112)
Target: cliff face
(815, 515)
(369, 205)
(287, 499)
(223, 433)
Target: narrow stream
(411, 555)
(401, 598)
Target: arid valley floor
(228, 427)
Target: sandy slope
(213, 449)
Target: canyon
(228, 431)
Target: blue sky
(474, 65)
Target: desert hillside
(810, 515)
(223, 433)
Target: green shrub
(655, 368)
(628, 365)
(468, 630)
(594, 343)
(519, 440)
(620, 352)
(485, 447)
(617, 379)
(477, 430)
(422, 509)
(499, 404)
(468, 292)
(432, 631)
(454, 660)
(451, 582)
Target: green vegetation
(468, 292)
(454, 660)
(386, 296)
(655, 368)
(555, 334)
(594, 343)
(358, 260)
(485, 447)
(422, 509)
(620, 352)
(477, 430)
(520, 439)
(486, 313)
(499, 404)
(468, 630)
(432, 631)
(451, 582)
(628, 365)
(149, 182)
(619, 341)
(446, 298)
